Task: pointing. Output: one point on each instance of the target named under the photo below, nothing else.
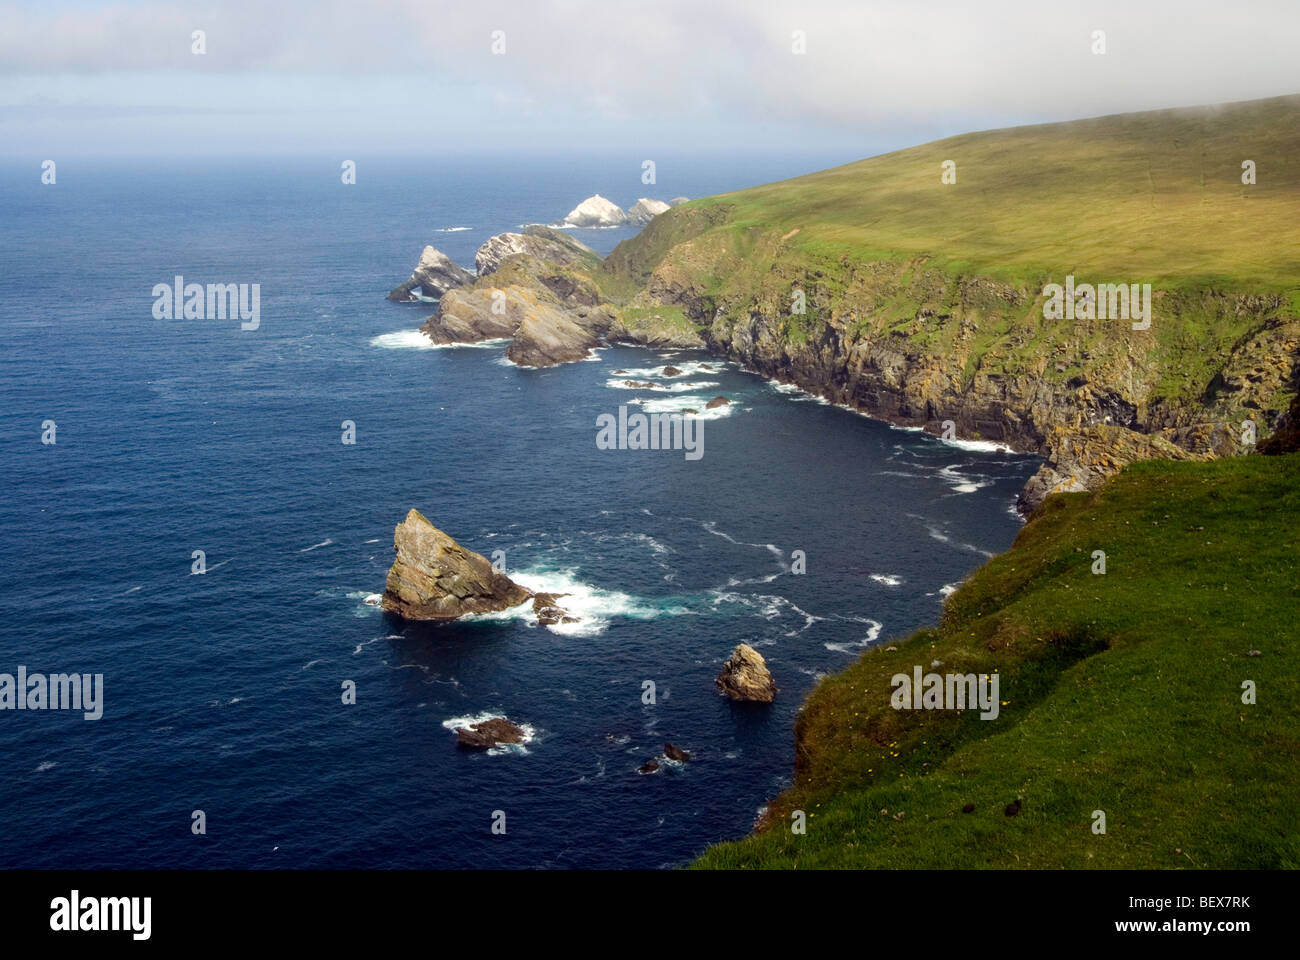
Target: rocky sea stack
(746, 677)
(435, 578)
(434, 275)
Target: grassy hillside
(1154, 195)
(888, 255)
(1122, 693)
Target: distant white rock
(644, 210)
(596, 212)
(676, 200)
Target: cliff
(878, 286)
(1126, 699)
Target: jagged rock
(435, 578)
(671, 371)
(434, 275)
(549, 335)
(645, 210)
(690, 410)
(746, 677)
(548, 611)
(490, 733)
(543, 243)
(596, 211)
(717, 402)
(642, 385)
(676, 753)
(1083, 459)
(477, 313)
(1286, 438)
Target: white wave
(679, 403)
(977, 446)
(452, 229)
(316, 546)
(618, 383)
(797, 393)
(415, 340)
(372, 599)
(887, 579)
(593, 607)
(310, 664)
(687, 368)
(873, 632)
(46, 765)
(711, 526)
(530, 732)
(948, 589)
(959, 481)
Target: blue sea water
(223, 690)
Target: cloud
(596, 66)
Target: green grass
(1156, 194)
(882, 247)
(1122, 693)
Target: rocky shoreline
(1088, 404)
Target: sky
(563, 76)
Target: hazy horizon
(404, 78)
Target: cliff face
(974, 357)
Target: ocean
(222, 689)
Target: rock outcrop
(596, 211)
(477, 313)
(434, 275)
(493, 732)
(547, 609)
(549, 334)
(745, 676)
(1082, 459)
(435, 578)
(543, 243)
(717, 402)
(645, 210)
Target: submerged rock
(650, 766)
(548, 610)
(676, 753)
(490, 733)
(435, 578)
(434, 275)
(746, 677)
(671, 371)
(717, 402)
